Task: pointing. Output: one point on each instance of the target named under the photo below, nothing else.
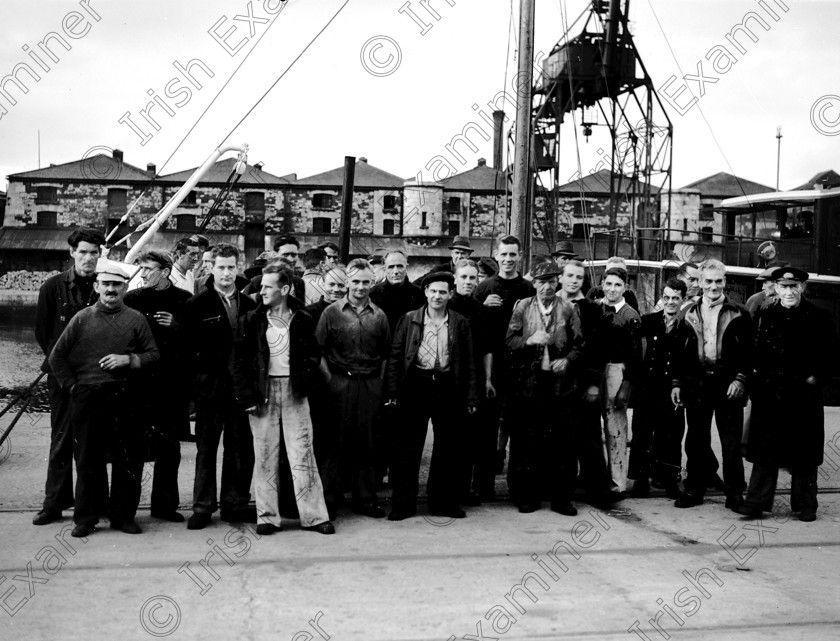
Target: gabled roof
(97, 168)
(219, 172)
(827, 179)
(480, 178)
(726, 185)
(34, 238)
(367, 176)
(598, 183)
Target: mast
(520, 217)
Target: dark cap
(545, 270)
(564, 248)
(765, 275)
(788, 275)
(461, 242)
(438, 277)
(375, 259)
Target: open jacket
(209, 338)
(566, 342)
(734, 345)
(406, 344)
(251, 355)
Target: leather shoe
(808, 516)
(641, 488)
(172, 517)
(321, 528)
(264, 529)
(685, 500)
(198, 521)
(45, 517)
(82, 530)
(453, 512)
(734, 501)
(243, 515)
(747, 510)
(401, 515)
(369, 509)
(129, 527)
(566, 509)
(527, 508)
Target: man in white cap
(91, 360)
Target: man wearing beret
(545, 341)
(431, 374)
(795, 343)
(93, 360)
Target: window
(423, 221)
(185, 222)
(321, 226)
(580, 230)
(706, 234)
(191, 200)
(255, 202)
(707, 211)
(685, 225)
(322, 201)
(47, 219)
(388, 227)
(454, 227)
(389, 203)
(454, 205)
(117, 201)
(46, 196)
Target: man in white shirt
(186, 255)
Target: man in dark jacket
(210, 324)
(59, 299)
(545, 342)
(711, 379)
(460, 249)
(430, 375)
(167, 397)
(275, 360)
(396, 295)
(658, 426)
(795, 347)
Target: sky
(395, 87)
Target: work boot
(45, 517)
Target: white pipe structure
(162, 216)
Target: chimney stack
(482, 162)
(151, 168)
(498, 128)
(117, 155)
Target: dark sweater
(94, 333)
(396, 300)
(148, 301)
(497, 318)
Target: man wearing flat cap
(545, 343)
(93, 359)
(795, 344)
(459, 249)
(431, 374)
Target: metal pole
(346, 208)
(778, 154)
(520, 223)
(185, 189)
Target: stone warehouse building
(388, 211)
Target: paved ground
(700, 573)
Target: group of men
(322, 385)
